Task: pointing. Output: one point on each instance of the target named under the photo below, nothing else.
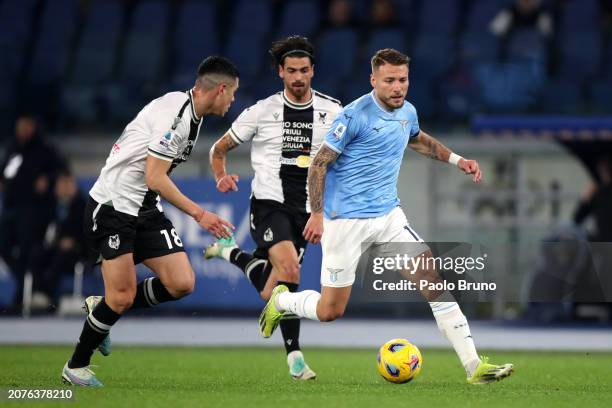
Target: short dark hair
(389, 56)
(219, 66)
(293, 46)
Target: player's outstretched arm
(156, 177)
(432, 148)
(316, 186)
(217, 156)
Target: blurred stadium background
(531, 101)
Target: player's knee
(120, 301)
(182, 287)
(289, 271)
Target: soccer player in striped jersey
(286, 131)
(124, 222)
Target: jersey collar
(298, 106)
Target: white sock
(227, 251)
(454, 325)
(302, 304)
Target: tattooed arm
(218, 154)
(432, 148)
(316, 186)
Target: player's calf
(329, 313)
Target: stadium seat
(247, 43)
(561, 97)
(97, 48)
(439, 16)
(527, 45)
(386, 38)
(601, 96)
(16, 21)
(247, 51)
(355, 87)
(478, 46)
(144, 49)
(481, 13)
(299, 17)
(581, 55)
(433, 51)
(254, 16)
(508, 87)
(379, 39)
(337, 53)
(422, 95)
(52, 49)
(579, 15)
(195, 37)
(407, 14)
(267, 84)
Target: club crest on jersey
(276, 115)
(333, 273)
(268, 235)
(114, 242)
(404, 123)
(339, 131)
(322, 117)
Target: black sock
(240, 258)
(290, 325)
(258, 271)
(151, 292)
(96, 328)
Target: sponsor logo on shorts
(114, 242)
(333, 273)
(268, 235)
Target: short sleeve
(245, 126)
(415, 129)
(342, 131)
(167, 139)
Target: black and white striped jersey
(285, 137)
(167, 128)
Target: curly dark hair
(293, 46)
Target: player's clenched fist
(216, 225)
(228, 183)
(314, 228)
(471, 167)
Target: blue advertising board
(219, 284)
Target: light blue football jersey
(370, 141)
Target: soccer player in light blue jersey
(353, 196)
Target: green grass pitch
(251, 377)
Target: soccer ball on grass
(399, 361)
